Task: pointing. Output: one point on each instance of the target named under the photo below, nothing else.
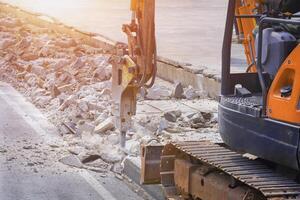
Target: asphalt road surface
(29, 167)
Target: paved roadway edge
(46, 130)
(133, 172)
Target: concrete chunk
(54, 91)
(66, 88)
(106, 125)
(178, 91)
(83, 106)
(70, 100)
(172, 116)
(86, 127)
(71, 160)
(158, 92)
(191, 93)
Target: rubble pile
(70, 82)
(65, 78)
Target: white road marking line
(103, 192)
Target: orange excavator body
(258, 114)
(286, 107)
(246, 26)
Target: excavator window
(291, 6)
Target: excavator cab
(259, 112)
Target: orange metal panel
(286, 108)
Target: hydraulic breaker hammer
(135, 64)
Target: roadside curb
(132, 171)
(169, 70)
(189, 75)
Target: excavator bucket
(150, 167)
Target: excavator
(259, 110)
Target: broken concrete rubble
(85, 127)
(71, 160)
(172, 116)
(134, 147)
(112, 157)
(163, 125)
(103, 74)
(88, 157)
(197, 118)
(70, 100)
(104, 126)
(178, 91)
(76, 150)
(54, 91)
(191, 93)
(113, 139)
(83, 106)
(158, 92)
(70, 82)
